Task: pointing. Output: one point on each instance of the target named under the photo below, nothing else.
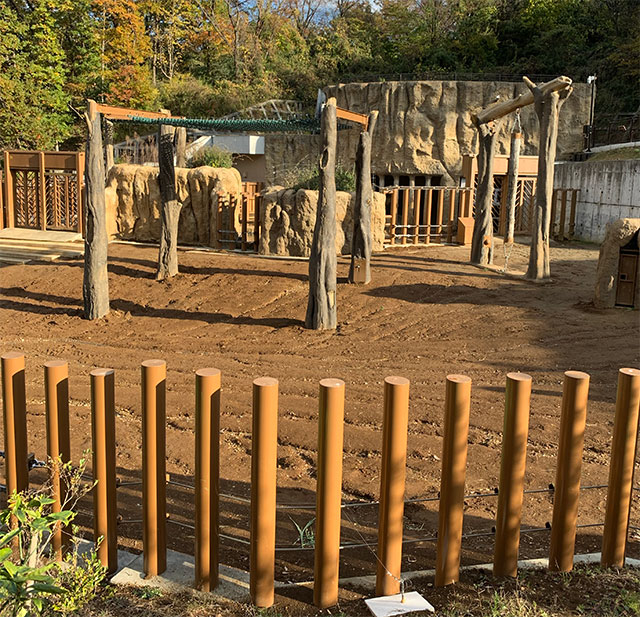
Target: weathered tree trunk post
(170, 206)
(482, 240)
(360, 268)
(321, 309)
(95, 284)
(547, 106)
(512, 186)
(181, 147)
(108, 148)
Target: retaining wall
(609, 190)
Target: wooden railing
(238, 221)
(424, 214)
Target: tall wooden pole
(482, 240)
(360, 268)
(181, 146)
(170, 206)
(547, 106)
(512, 185)
(321, 308)
(95, 286)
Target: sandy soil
(426, 314)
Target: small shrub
(213, 156)
(307, 176)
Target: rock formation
(287, 219)
(619, 234)
(424, 127)
(133, 203)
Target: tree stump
(169, 205)
(482, 240)
(547, 107)
(95, 284)
(360, 268)
(321, 308)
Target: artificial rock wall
(424, 127)
(287, 219)
(132, 197)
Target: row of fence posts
(329, 473)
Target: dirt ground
(426, 314)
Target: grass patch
(619, 154)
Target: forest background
(207, 58)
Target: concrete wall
(609, 190)
(425, 127)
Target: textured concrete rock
(132, 198)
(424, 127)
(619, 233)
(287, 219)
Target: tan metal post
(103, 433)
(14, 399)
(42, 192)
(8, 191)
(454, 464)
(207, 477)
(245, 210)
(394, 215)
(328, 493)
(394, 462)
(514, 458)
(567, 493)
(154, 483)
(264, 451)
(56, 388)
(623, 454)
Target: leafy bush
(307, 176)
(213, 156)
(31, 582)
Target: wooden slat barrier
(564, 202)
(238, 220)
(262, 543)
(427, 213)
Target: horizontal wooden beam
(111, 112)
(352, 116)
(493, 112)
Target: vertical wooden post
(80, 191)
(181, 146)
(56, 390)
(623, 453)
(256, 222)
(322, 302)
(154, 483)
(394, 462)
(512, 186)
(328, 493)
(563, 214)
(244, 221)
(108, 147)
(405, 216)
(567, 493)
(427, 202)
(103, 433)
(572, 213)
(454, 464)
(14, 401)
(95, 286)
(8, 190)
(452, 207)
(394, 214)
(417, 193)
(207, 477)
(514, 458)
(42, 192)
(264, 452)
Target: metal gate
(43, 190)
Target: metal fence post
(154, 483)
(207, 477)
(328, 493)
(454, 463)
(56, 389)
(264, 452)
(623, 454)
(567, 487)
(14, 399)
(394, 462)
(103, 432)
(512, 467)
